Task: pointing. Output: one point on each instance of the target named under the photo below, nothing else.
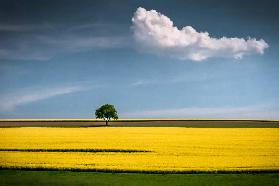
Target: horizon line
(134, 119)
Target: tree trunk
(106, 122)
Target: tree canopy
(106, 112)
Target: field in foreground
(17, 177)
(141, 149)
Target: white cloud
(24, 28)
(142, 82)
(27, 53)
(9, 102)
(75, 43)
(256, 112)
(45, 41)
(138, 83)
(43, 48)
(156, 33)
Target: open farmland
(141, 149)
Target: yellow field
(171, 149)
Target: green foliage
(106, 112)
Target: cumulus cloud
(156, 33)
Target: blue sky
(63, 59)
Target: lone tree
(106, 112)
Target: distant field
(141, 149)
(194, 123)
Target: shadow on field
(74, 150)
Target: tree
(106, 112)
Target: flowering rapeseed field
(141, 148)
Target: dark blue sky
(66, 58)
